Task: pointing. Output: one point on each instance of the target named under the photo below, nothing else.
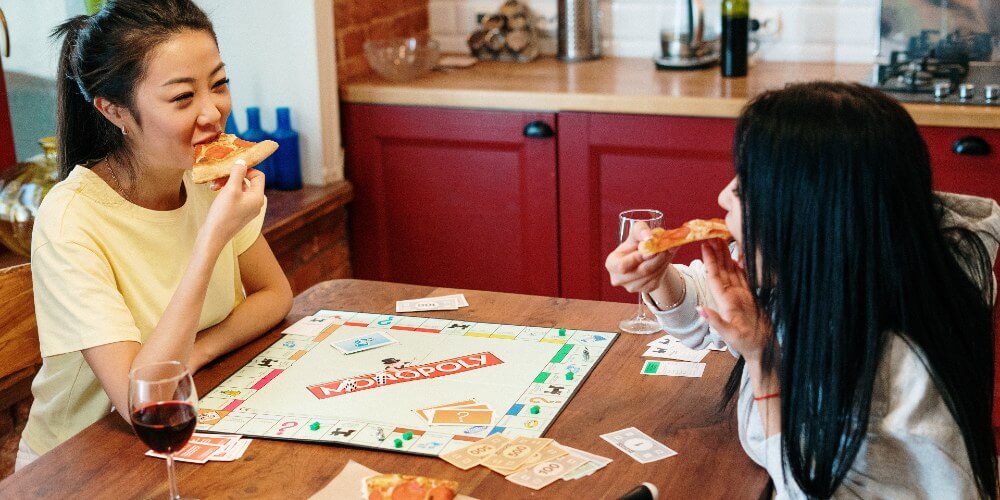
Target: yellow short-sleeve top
(103, 271)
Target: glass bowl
(402, 59)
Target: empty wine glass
(641, 323)
(163, 405)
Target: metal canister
(579, 30)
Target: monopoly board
(303, 388)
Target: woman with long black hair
(859, 302)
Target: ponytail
(84, 135)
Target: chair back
(20, 357)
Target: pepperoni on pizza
(215, 159)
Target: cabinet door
(977, 175)
(454, 198)
(609, 163)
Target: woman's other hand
(632, 270)
(742, 325)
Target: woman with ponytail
(132, 263)
(859, 302)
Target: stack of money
(531, 462)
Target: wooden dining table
(106, 460)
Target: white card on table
(662, 341)
(460, 297)
(675, 350)
(673, 368)
(428, 304)
(638, 445)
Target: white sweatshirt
(913, 448)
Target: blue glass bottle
(231, 125)
(254, 133)
(287, 166)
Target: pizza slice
(694, 230)
(402, 487)
(215, 159)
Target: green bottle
(735, 33)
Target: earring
(124, 132)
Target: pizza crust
(210, 170)
(661, 239)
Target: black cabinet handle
(971, 145)
(538, 130)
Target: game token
(535, 409)
(398, 443)
(314, 426)
(569, 375)
(407, 436)
(380, 434)
(562, 332)
(586, 354)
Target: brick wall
(360, 20)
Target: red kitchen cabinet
(964, 173)
(455, 198)
(611, 162)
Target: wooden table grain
(106, 459)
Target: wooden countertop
(286, 212)
(627, 85)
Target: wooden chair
(19, 358)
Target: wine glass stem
(172, 478)
(641, 312)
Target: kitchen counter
(627, 85)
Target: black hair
(106, 55)
(835, 181)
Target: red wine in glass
(163, 405)
(165, 426)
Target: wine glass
(162, 402)
(641, 323)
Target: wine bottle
(735, 34)
(254, 133)
(287, 166)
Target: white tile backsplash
(808, 30)
(442, 18)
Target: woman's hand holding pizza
(239, 200)
(631, 269)
(746, 329)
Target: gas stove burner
(914, 78)
(931, 81)
(918, 76)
